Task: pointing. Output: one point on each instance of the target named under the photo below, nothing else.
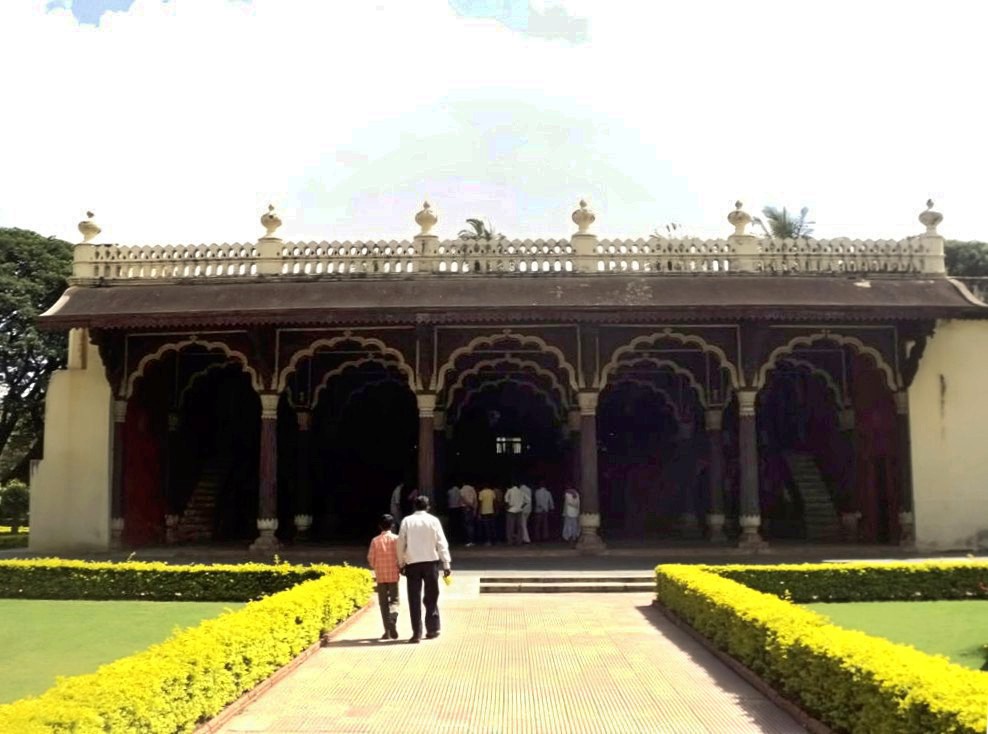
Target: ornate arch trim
(518, 362)
(811, 339)
(491, 339)
(650, 339)
(652, 387)
(551, 404)
(815, 371)
(349, 364)
(388, 380)
(675, 368)
(284, 373)
(196, 376)
(150, 359)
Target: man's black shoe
(394, 634)
(386, 636)
(415, 639)
(431, 635)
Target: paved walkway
(549, 663)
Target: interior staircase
(547, 584)
(196, 523)
(819, 513)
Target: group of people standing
(494, 514)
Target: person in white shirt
(544, 504)
(514, 500)
(571, 515)
(468, 510)
(526, 510)
(421, 548)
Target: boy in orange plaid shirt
(382, 556)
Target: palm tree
(783, 225)
(479, 230)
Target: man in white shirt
(421, 548)
(544, 504)
(526, 510)
(514, 500)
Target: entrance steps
(583, 584)
(819, 513)
(196, 522)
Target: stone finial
(583, 218)
(739, 218)
(88, 228)
(426, 219)
(929, 219)
(270, 221)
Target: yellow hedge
(189, 678)
(849, 680)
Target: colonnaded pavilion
(739, 390)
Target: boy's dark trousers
(389, 600)
(419, 575)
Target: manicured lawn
(957, 629)
(41, 639)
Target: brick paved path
(517, 663)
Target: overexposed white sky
(180, 121)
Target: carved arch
(650, 339)
(811, 339)
(490, 340)
(196, 377)
(552, 405)
(517, 361)
(361, 389)
(284, 373)
(660, 364)
(349, 364)
(255, 380)
(815, 371)
(656, 390)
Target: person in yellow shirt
(486, 499)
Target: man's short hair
(421, 502)
(387, 522)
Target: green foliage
(189, 678)
(849, 680)
(834, 582)
(783, 225)
(10, 540)
(479, 230)
(14, 501)
(966, 259)
(55, 578)
(33, 272)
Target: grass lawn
(957, 629)
(42, 639)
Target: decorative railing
(583, 253)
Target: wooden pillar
(267, 504)
(117, 478)
(574, 422)
(907, 526)
(850, 512)
(170, 479)
(750, 512)
(714, 423)
(684, 472)
(303, 469)
(589, 540)
(427, 452)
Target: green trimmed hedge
(851, 681)
(189, 678)
(13, 540)
(53, 578)
(902, 581)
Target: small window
(508, 445)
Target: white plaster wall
(70, 490)
(948, 405)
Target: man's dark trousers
(421, 575)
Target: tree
(966, 259)
(479, 230)
(14, 504)
(783, 225)
(33, 272)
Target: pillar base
(715, 528)
(171, 529)
(750, 539)
(265, 540)
(849, 526)
(689, 526)
(302, 525)
(589, 540)
(907, 529)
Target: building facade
(739, 390)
